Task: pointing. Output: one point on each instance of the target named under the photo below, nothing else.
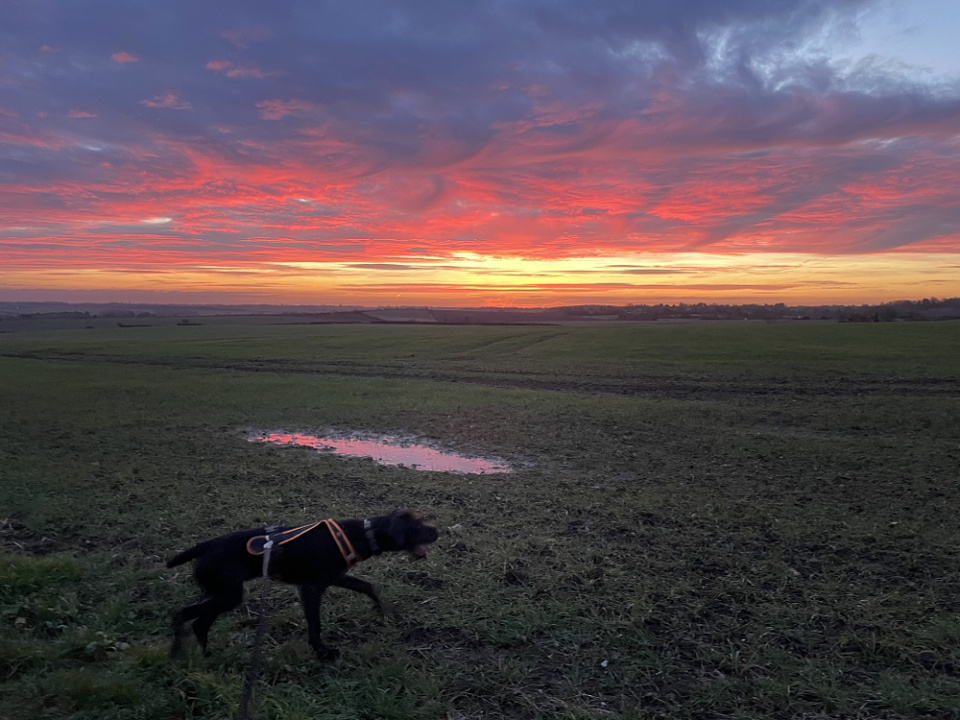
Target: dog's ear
(398, 526)
(408, 529)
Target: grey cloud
(390, 71)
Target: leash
(247, 694)
(347, 551)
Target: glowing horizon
(559, 156)
(794, 279)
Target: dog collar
(371, 537)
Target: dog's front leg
(310, 597)
(362, 586)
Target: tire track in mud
(512, 344)
(677, 387)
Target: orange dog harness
(258, 545)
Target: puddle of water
(386, 450)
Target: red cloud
(124, 57)
(324, 194)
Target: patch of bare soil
(16, 537)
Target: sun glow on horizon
(471, 279)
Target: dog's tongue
(420, 551)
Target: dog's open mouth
(419, 551)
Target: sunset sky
(438, 152)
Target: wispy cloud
(169, 100)
(235, 70)
(243, 37)
(277, 109)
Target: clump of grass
(21, 575)
(85, 688)
(37, 596)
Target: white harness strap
(266, 556)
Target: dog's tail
(191, 554)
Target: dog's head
(410, 531)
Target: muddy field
(704, 521)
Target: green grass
(712, 520)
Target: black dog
(313, 557)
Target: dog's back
(224, 543)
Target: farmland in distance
(710, 520)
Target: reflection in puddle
(386, 450)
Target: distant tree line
(926, 309)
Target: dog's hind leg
(179, 619)
(310, 598)
(212, 608)
(203, 614)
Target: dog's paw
(179, 646)
(389, 610)
(326, 653)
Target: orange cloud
(124, 57)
